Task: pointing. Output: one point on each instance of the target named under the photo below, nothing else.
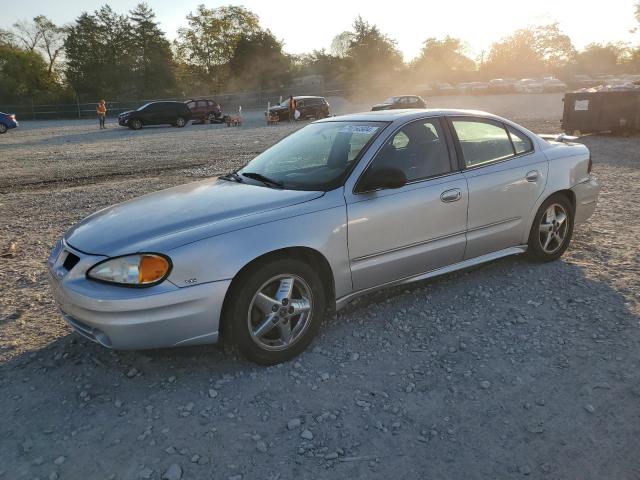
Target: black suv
(156, 113)
(308, 106)
(402, 101)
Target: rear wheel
(552, 229)
(135, 124)
(3, 128)
(276, 310)
(180, 122)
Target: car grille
(71, 261)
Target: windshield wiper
(232, 176)
(261, 178)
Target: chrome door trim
(489, 225)
(343, 301)
(404, 247)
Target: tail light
(13, 117)
(590, 166)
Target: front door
(398, 233)
(505, 176)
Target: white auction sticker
(365, 129)
(581, 105)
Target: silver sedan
(339, 208)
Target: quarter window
(521, 142)
(482, 141)
(419, 149)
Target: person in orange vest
(101, 110)
(292, 108)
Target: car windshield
(316, 157)
(144, 106)
(285, 103)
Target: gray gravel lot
(510, 370)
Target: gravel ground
(509, 370)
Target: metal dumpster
(601, 111)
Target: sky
(308, 25)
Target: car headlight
(139, 270)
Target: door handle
(452, 195)
(532, 176)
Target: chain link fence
(253, 100)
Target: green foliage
(442, 60)
(207, 45)
(112, 55)
(597, 58)
(530, 51)
(23, 76)
(258, 62)
(372, 54)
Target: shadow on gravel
(509, 369)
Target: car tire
(275, 310)
(135, 124)
(180, 122)
(3, 128)
(552, 229)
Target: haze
(409, 22)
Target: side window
(482, 141)
(300, 103)
(419, 149)
(202, 104)
(413, 100)
(191, 105)
(521, 142)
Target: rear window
(521, 143)
(482, 141)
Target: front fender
(223, 256)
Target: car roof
(302, 97)
(408, 114)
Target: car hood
(380, 106)
(128, 112)
(187, 213)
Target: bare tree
(41, 35)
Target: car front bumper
(586, 199)
(134, 318)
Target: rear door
(505, 176)
(399, 233)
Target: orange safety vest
(292, 104)
(101, 109)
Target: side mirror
(381, 178)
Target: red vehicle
(204, 109)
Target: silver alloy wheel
(280, 312)
(553, 228)
(180, 122)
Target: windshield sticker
(365, 129)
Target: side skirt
(471, 262)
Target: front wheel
(180, 122)
(552, 229)
(3, 128)
(276, 310)
(135, 124)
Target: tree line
(106, 54)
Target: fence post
(33, 110)
(78, 106)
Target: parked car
(424, 90)
(583, 81)
(308, 106)
(529, 85)
(463, 88)
(500, 85)
(7, 122)
(553, 85)
(204, 109)
(339, 208)
(156, 113)
(445, 89)
(401, 101)
(478, 88)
